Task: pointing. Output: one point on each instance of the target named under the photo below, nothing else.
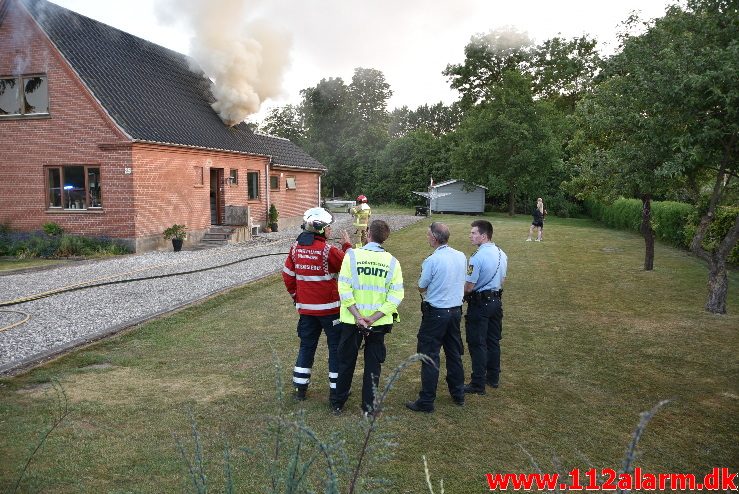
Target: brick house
(108, 134)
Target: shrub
(38, 244)
(673, 222)
(669, 220)
(52, 228)
(273, 214)
(175, 231)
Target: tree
(506, 143)
(326, 115)
(623, 139)
(409, 162)
(437, 119)
(286, 122)
(563, 70)
(667, 113)
(701, 58)
(487, 58)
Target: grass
(590, 341)
(12, 264)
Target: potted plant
(272, 217)
(177, 233)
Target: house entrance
(217, 199)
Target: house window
(198, 175)
(291, 184)
(24, 95)
(252, 179)
(233, 177)
(274, 182)
(74, 187)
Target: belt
(445, 309)
(427, 307)
(484, 295)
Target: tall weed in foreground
(299, 460)
(59, 412)
(627, 466)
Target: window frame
(233, 177)
(287, 182)
(250, 173)
(277, 182)
(21, 96)
(88, 195)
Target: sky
(410, 41)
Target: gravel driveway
(64, 321)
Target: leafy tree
(286, 122)
(623, 139)
(506, 143)
(563, 70)
(487, 58)
(409, 162)
(666, 114)
(326, 115)
(700, 57)
(437, 119)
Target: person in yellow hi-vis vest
(370, 289)
(361, 213)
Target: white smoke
(244, 56)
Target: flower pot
(177, 244)
(273, 226)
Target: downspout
(319, 188)
(266, 189)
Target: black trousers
(374, 356)
(484, 330)
(440, 329)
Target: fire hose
(85, 285)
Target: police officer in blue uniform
(442, 288)
(483, 290)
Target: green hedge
(673, 222)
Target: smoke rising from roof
(243, 55)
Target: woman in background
(538, 221)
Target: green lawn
(7, 264)
(590, 341)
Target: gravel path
(67, 320)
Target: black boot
(299, 394)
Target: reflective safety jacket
(362, 213)
(372, 279)
(310, 273)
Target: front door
(217, 200)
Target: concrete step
(215, 236)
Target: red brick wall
(166, 189)
(167, 192)
(71, 135)
(293, 203)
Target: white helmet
(316, 219)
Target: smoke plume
(243, 55)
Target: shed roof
(454, 180)
(151, 91)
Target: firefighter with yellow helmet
(361, 213)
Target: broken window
(24, 95)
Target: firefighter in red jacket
(310, 274)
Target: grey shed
(451, 197)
